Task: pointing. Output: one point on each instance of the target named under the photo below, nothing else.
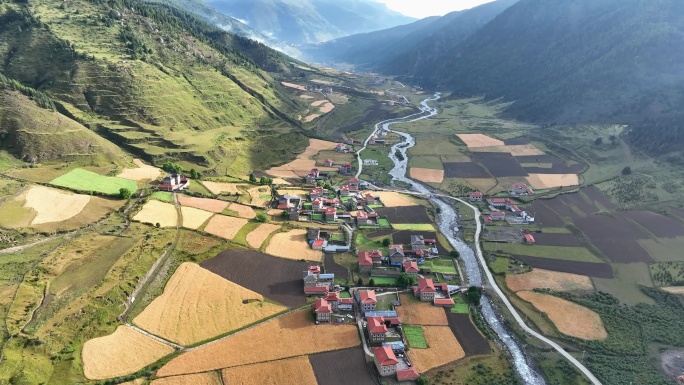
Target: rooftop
(385, 356)
(367, 296)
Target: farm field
(331, 266)
(598, 270)
(443, 349)
(242, 210)
(206, 204)
(194, 218)
(198, 305)
(470, 338)
(427, 175)
(123, 352)
(440, 266)
(414, 226)
(154, 212)
(414, 312)
(82, 180)
(464, 170)
(259, 196)
(546, 279)
(556, 239)
(218, 188)
(301, 166)
(272, 372)
(415, 337)
(275, 278)
(256, 345)
(577, 254)
(626, 283)
(293, 245)
(570, 319)
(256, 237)
(405, 214)
(479, 140)
(545, 181)
(209, 378)
(224, 227)
(460, 306)
(393, 199)
(341, 367)
(163, 196)
(142, 172)
(39, 205)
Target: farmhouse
(333, 299)
(293, 213)
(376, 329)
(346, 304)
(313, 176)
(370, 162)
(322, 310)
(346, 169)
(385, 360)
(500, 203)
(521, 189)
(498, 215)
(396, 254)
(354, 184)
(475, 196)
(366, 219)
(368, 259)
(409, 374)
(411, 267)
(173, 182)
(529, 239)
(425, 290)
(318, 244)
(316, 283)
(417, 242)
(370, 198)
(341, 147)
(328, 163)
(366, 299)
(287, 201)
(316, 192)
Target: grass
(440, 266)
(345, 294)
(163, 196)
(415, 337)
(459, 305)
(627, 281)
(431, 162)
(383, 222)
(87, 181)
(664, 249)
(499, 265)
(414, 226)
(366, 244)
(384, 281)
(580, 254)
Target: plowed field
(341, 367)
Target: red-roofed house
(529, 239)
(333, 299)
(318, 244)
(376, 329)
(487, 220)
(354, 184)
(341, 147)
(346, 168)
(408, 374)
(366, 219)
(519, 188)
(515, 209)
(411, 267)
(500, 203)
(425, 290)
(344, 191)
(370, 199)
(475, 197)
(346, 304)
(328, 163)
(446, 302)
(498, 215)
(323, 310)
(385, 360)
(330, 214)
(365, 262)
(366, 299)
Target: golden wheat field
(206, 204)
(257, 236)
(194, 218)
(280, 372)
(154, 212)
(293, 245)
(544, 181)
(225, 227)
(443, 349)
(242, 210)
(303, 164)
(414, 312)
(427, 175)
(479, 140)
(52, 205)
(393, 199)
(546, 279)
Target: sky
(424, 8)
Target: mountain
(311, 21)
(156, 81)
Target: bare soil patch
(674, 289)
(257, 236)
(570, 318)
(596, 196)
(51, 205)
(272, 373)
(275, 278)
(304, 163)
(311, 117)
(221, 187)
(225, 227)
(544, 215)
(213, 205)
(198, 305)
(393, 199)
(293, 85)
(544, 181)
(591, 269)
(209, 378)
(406, 214)
(242, 210)
(427, 175)
(341, 367)
(556, 168)
(293, 245)
(296, 334)
(464, 170)
(414, 312)
(154, 212)
(499, 164)
(473, 342)
(443, 349)
(331, 266)
(479, 140)
(657, 224)
(123, 352)
(546, 279)
(259, 197)
(194, 218)
(142, 172)
(615, 237)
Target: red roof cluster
(376, 325)
(425, 285)
(385, 356)
(367, 296)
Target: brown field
(213, 205)
(293, 245)
(157, 212)
(674, 289)
(311, 117)
(299, 192)
(295, 86)
(570, 319)
(543, 181)
(242, 210)
(303, 96)
(137, 381)
(514, 150)
(546, 279)
(197, 305)
(304, 162)
(51, 205)
(144, 171)
(341, 367)
(123, 352)
(255, 195)
(209, 378)
(194, 218)
(414, 312)
(257, 236)
(274, 212)
(393, 199)
(284, 337)
(280, 372)
(318, 103)
(427, 175)
(225, 227)
(479, 140)
(221, 187)
(443, 348)
(326, 107)
(280, 181)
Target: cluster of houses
(504, 209)
(318, 88)
(408, 260)
(173, 182)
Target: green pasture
(415, 337)
(87, 181)
(441, 265)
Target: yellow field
(544, 181)
(225, 227)
(393, 199)
(443, 348)
(194, 218)
(289, 336)
(142, 172)
(414, 312)
(197, 305)
(123, 352)
(257, 236)
(427, 175)
(570, 318)
(213, 205)
(220, 187)
(280, 181)
(479, 140)
(545, 279)
(281, 372)
(674, 289)
(255, 195)
(242, 210)
(295, 86)
(158, 212)
(303, 164)
(515, 150)
(209, 378)
(293, 245)
(52, 205)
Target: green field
(86, 181)
(415, 337)
(384, 281)
(459, 305)
(553, 252)
(431, 162)
(163, 196)
(440, 266)
(345, 294)
(414, 226)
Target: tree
(406, 280)
(262, 217)
(194, 174)
(265, 180)
(386, 242)
(371, 282)
(613, 139)
(157, 225)
(359, 282)
(454, 253)
(252, 177)
(598, 141)
(320, 183)
(627, 170)
(474, 295)
(423, 381)
(125, 193)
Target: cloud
(425, 8)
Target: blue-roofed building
(384, 313)
(326, 276)
(397, 346)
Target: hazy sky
(425, 8)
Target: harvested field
(544, 215)
(293, 85)
(123, 352)
(598, 270)
(213, 205)
(570, 318)
(225, 227)
(556, 168)
(393, 199)
(517, 141)
(275, 278)
(259, 198)
(293, 245)
(209, 378)
(326, 107)
(674, 289)
(414, 312)
(427, 175)
(614, 237)
(280, 181)
(546, 279)
(406, 214)
(443, 349)
(499, 164)
(51, 205)
(280, 372)
(470, 338)
(198, 305)
(311, 117)
(304, 162)
(657, 224)
(194, 218)
(514, 150)
(479, 140)
(257, 236)
(154, 212)
(142, 172)
(293, 332)
(220, 187)
(555, 239)
(544, 181)
(341, 367)
(464, 170)
(274, 212)
(83, 180)
(243, 211)
(331, 266)
(304, 96)
(572, 205)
